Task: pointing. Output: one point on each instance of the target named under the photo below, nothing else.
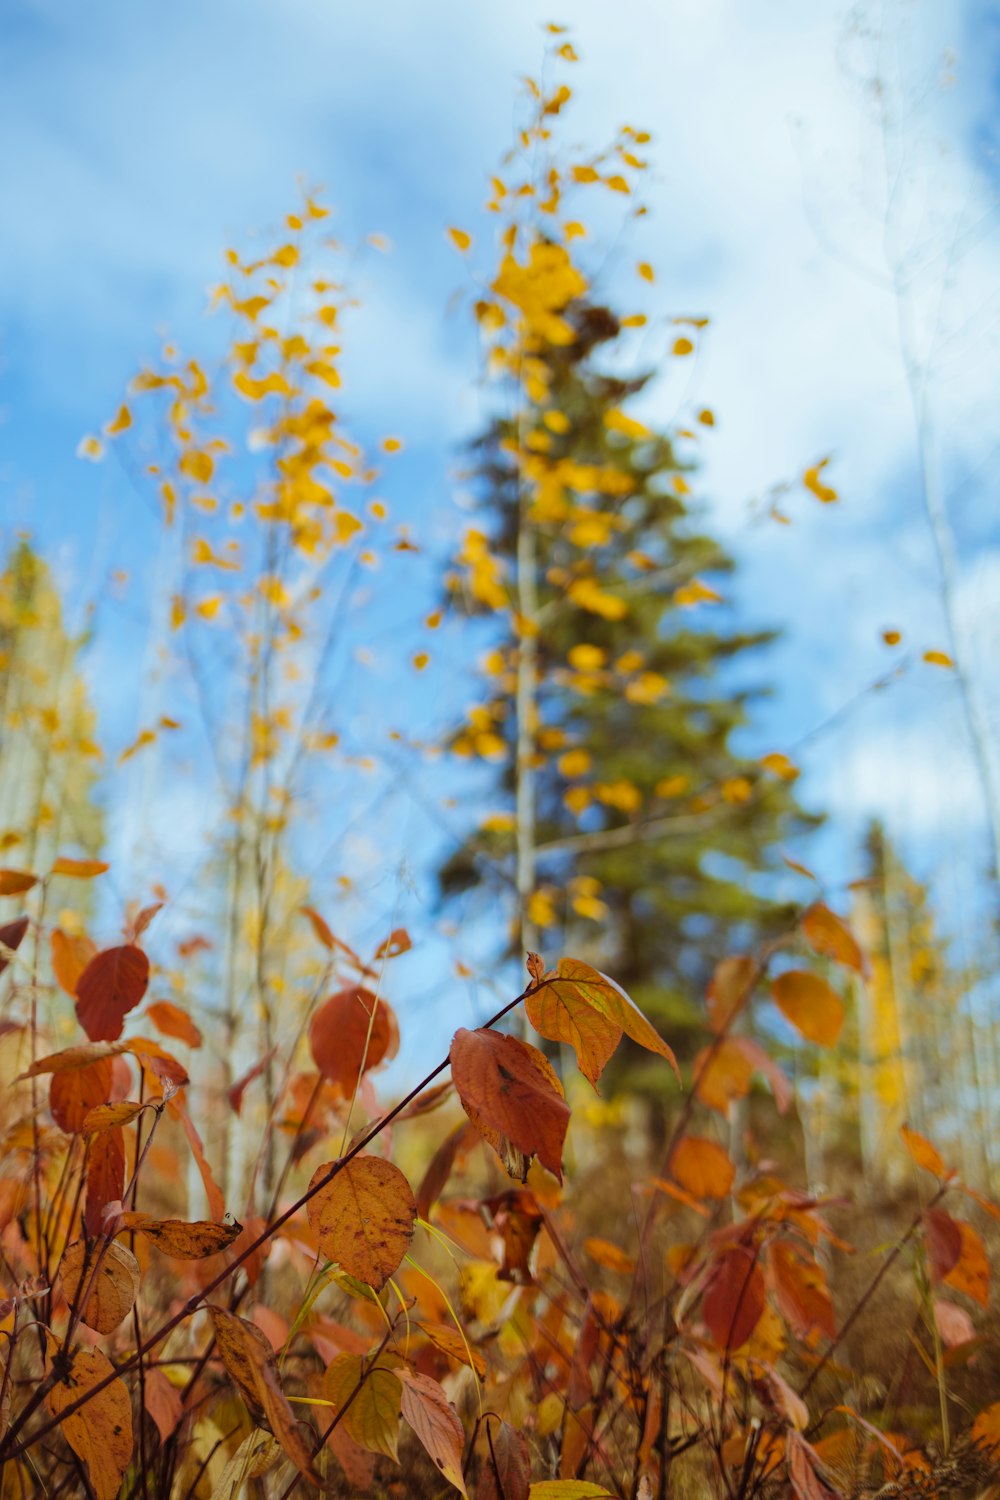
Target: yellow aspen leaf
(420, 660)
(813, 481)
(391, 445)
(706, 417)
(208, 608)
(460, 239)
(586, 658)
(671, 786)
(315, 210)
(780, 765)
(144, 738)
(577, 799)
(679, 485)
(501, 822)
(101, 1432)
(587, 594)
(635, 320)
(574, 230)
(346, 525)
(892, 637)
(622, 794)
(90, 447)
(590, 907)
(629, 661)
(541, 911)
(574, 763)
(616, 421)
(617, 183)
(121, 422)
(293, 221)
(736, 790)
(646, 271)
(178, 612)
(556, 421)
(812, 1006)
(683, 346)
(648, 687)
(938, 659)
(286, 257)
(324, 371)
(585, 174)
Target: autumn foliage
(269, 1276)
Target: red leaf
(436, 1423)
(801, 1290)
(509, 1088)
(11, 936)
(943, 1239)
(110, 986)
(339, 1031)
(506, 1469)
(74, 1093)
(734, 1298)
(105, 1176)
(241, 1085)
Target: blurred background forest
(280, 630)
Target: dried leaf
(112, 1291)
(107, 1116)
(364, 1218)
(971, 1273)
(508, 1087)
(450, 1341)
(943, 1238)
(506, 1468)
(436, 1423)
(162, 1402)
(16, 882)
(583, 1007)
(396, 943)
(251, 1363)
(101, 1432)
(183, 1240)
(11, 936)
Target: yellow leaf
(780, 765)
(541, 911)
(90, 447)
(120, 423)
(574, 763)
(209, 608)
(813, 1008)
(938, 659)
(101, 1433)
(645, 270)
(707, 417)
(812, 479)
(586, 658)
(736, 790)
(892, 637)
(420, 660)
(460, 239)
(671, 786)
(391, 445)
(617, 421)
(683, 346)
(80, 869)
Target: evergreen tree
(630, 821)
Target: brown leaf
(112, 1291)
(322, 930)
(805, 1470)
(11, 936)
(364, 1218)
(183, 1240)
(506, 1467)
(729, 989)
(440, 1166)
(518, 1218)
(172, 1021)
(812, 1006)
(73, 1094)
(105, 1177)
(702, 1167)
(943, 1239)
(372, 1418)
(734, 1298)
(101, 1432)
(829, 935)
(163, 1403)
(157, 1063)
(110, 986)
(587, 1006)
(16, 882)
(396, 943)
(251, 1363)
(339, 1036)
(801, 1290)
(536, 967)
(72, 1057)
(70, 956)
(137, 926)
(436, 1423)
(509, 1088)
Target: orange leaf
(396, 943)
(374, 1394)
(16, 882)
(182, 1240)
(924, 1154)
(364, 1218)
(74, 1093)
(813, 1008)
(163, 1403)
(111, 1293)
(610, 1256)
(172, 1021)
(507, 1085)
(110, 986)
(105, 1177)
(729, 989)
(829, 935)
(213, 1193)
(436, 1423)
(971, 1274)
(702, 1167)
(801, 1290)
(79, 869)
(70, 956)
(450, 1341)
(251, 1363)
(734, 1298)
(108, 1116)
(578, 988)
(943, 1238)
(339, 1036)
(101, 1432)
(986, 1428)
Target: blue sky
(142, 140)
